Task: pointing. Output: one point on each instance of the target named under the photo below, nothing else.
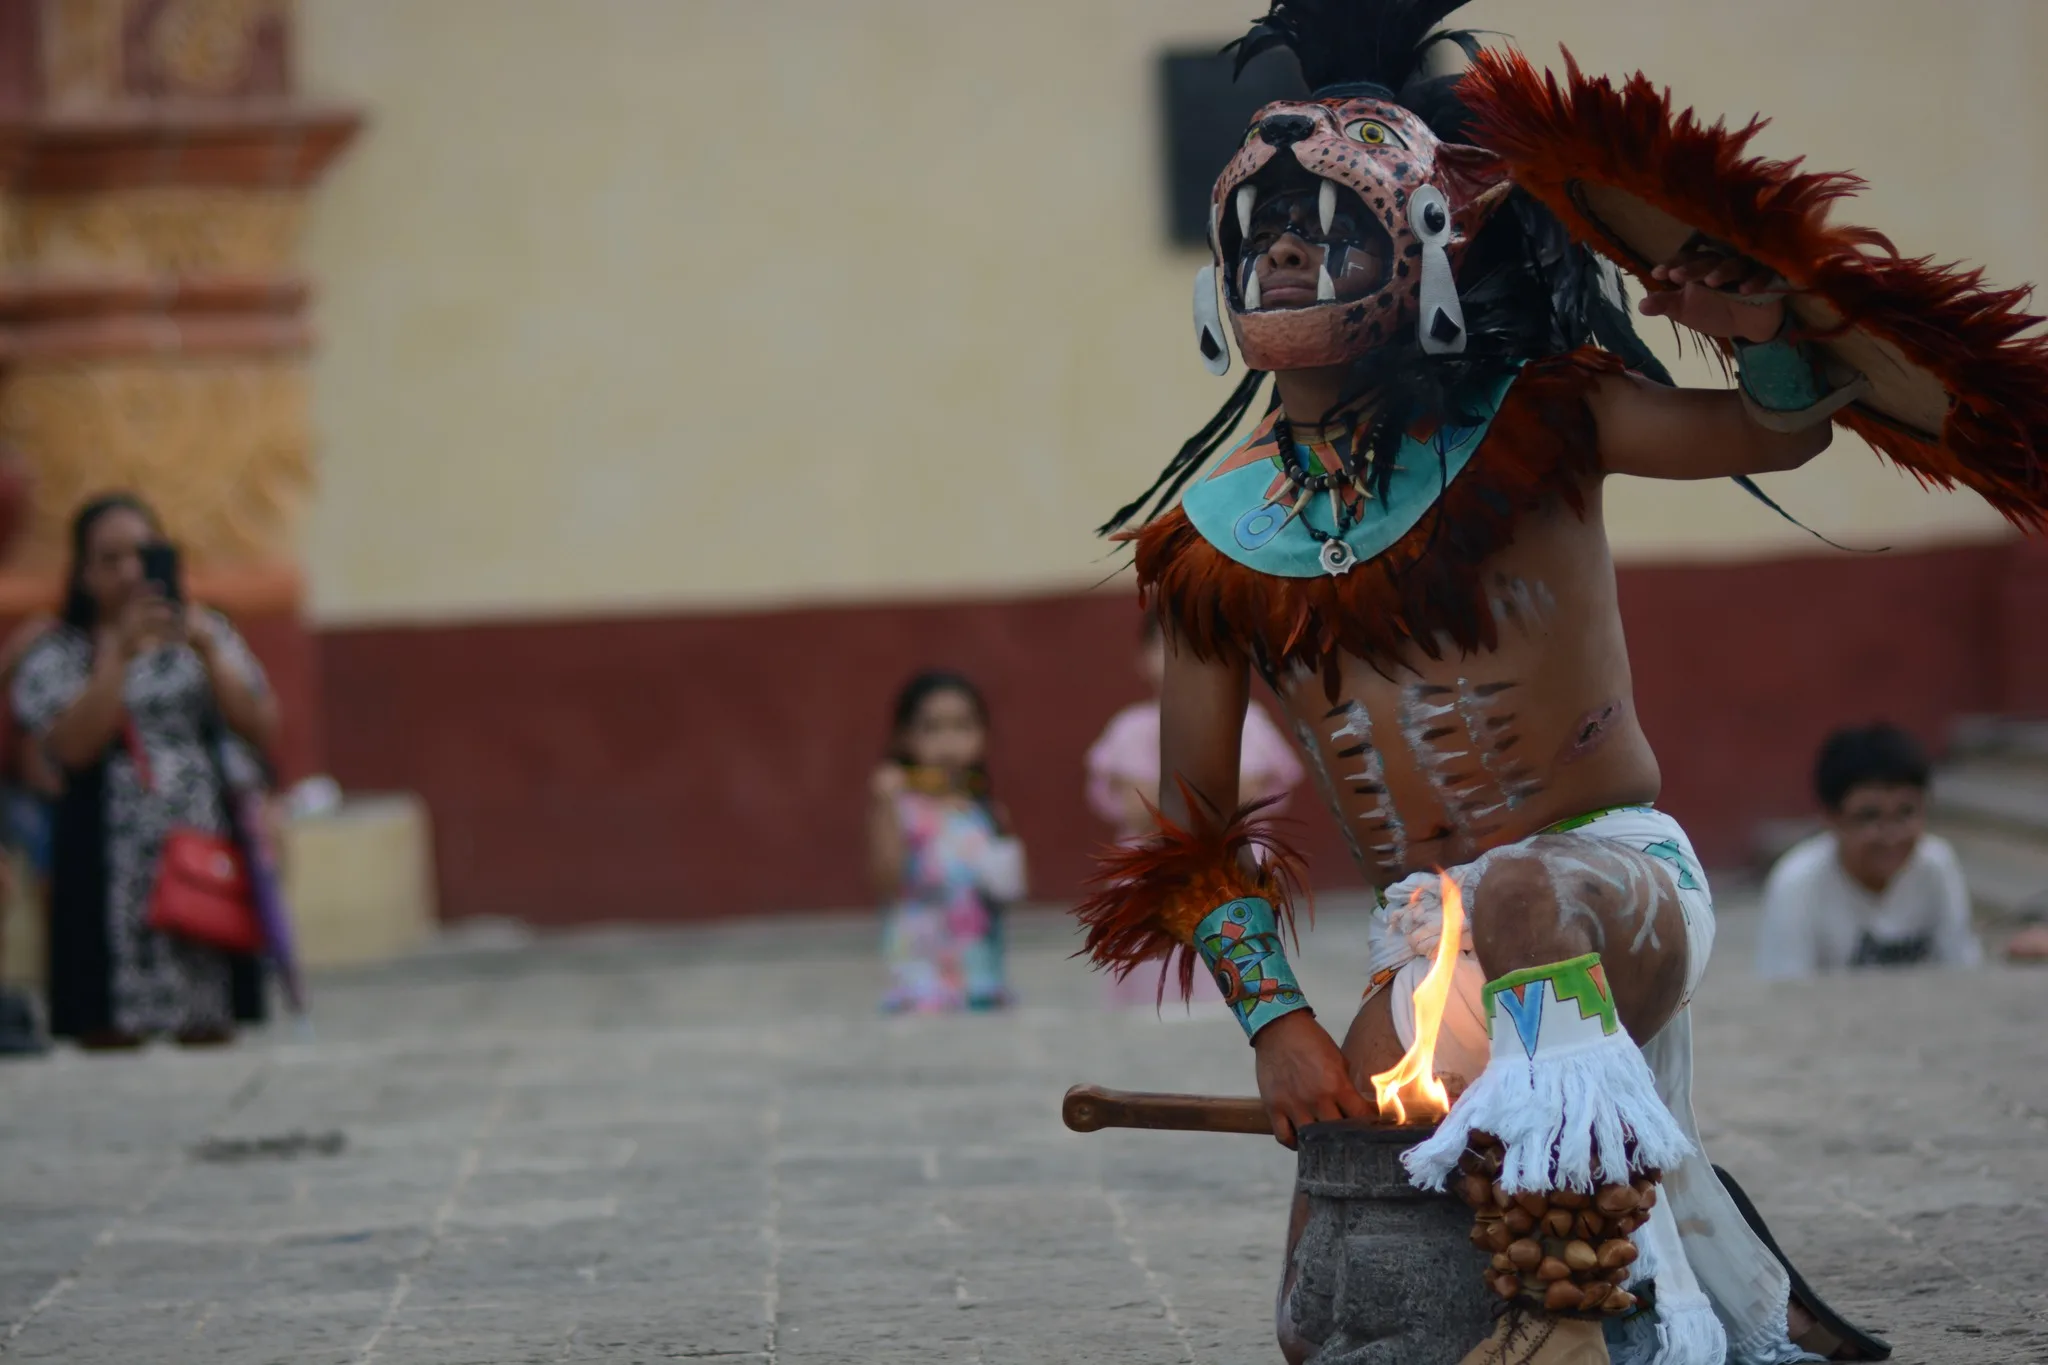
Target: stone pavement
(704, 1145)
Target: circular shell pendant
(1338, 558)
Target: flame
(1413, 1079)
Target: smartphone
(160, 566)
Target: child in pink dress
(942, 855)
(1123, 774)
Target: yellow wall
(633, 304)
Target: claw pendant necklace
(1337, 557)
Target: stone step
(1993, 792)
(360, 881)
(2007, 873)
(2017, 742)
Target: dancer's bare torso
(1430, 762)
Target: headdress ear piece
(1209, 334)
(1441, 324)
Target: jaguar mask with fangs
(1338, 226)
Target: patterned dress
(942, 938)
(116, 973)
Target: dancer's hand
(1720, 294)
(1303, 1078)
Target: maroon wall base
(1741, 670)
(2023, 630)
(678, 767)
(687, 766)
(290, 654)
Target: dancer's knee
(1518, 920)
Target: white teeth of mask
(1247, 200)
(1326, 288)
(1251, 290)
(1326, 205)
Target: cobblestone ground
(674, 1146)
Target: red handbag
(202, 890)
(203, 894)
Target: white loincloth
(1716, 1253)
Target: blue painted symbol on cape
(1259, 525)
(1448, 439)
(1524, 1005)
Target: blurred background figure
(1874, 889)
(944, 860)
(1123, 765)
(29, 788)
(1123, 776)
(121, 695)
(2029, 945)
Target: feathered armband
(1221, 892)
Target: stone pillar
(153, 324)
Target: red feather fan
(1148, 897)
(1973, 340)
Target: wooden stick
(1090, 1107)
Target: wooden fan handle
(1088, 1108)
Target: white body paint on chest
(1517, 601)
(1312, 748)
(1380, 818)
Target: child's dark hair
(1852, 757)
(914, 694)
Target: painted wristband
(1240, 940)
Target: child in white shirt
(1874, 889)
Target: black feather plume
(1352, 42)
(1193, 454)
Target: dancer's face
(946, 733)
(1877, 828)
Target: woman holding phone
(122, 695)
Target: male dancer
(1409, 550)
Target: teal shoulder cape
(1245, 506)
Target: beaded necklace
(1337, 556)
